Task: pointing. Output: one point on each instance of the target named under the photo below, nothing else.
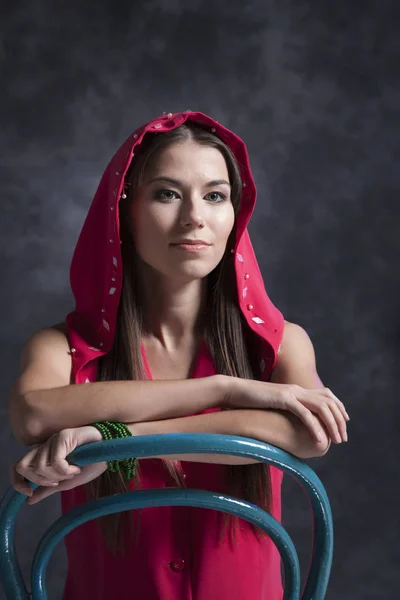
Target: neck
(174, 310)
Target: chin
(190, 274)
(183, 270)
(190, 271)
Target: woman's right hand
(306, 404)
(46, 464)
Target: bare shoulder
(296, 362)
(48, 339)
(46, 358)
(295, 340)
(45, 364)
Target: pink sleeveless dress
(178, 556)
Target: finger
(320, 405)
(67, 484)
(19, 482)
(306, 417)
(328, 392)
(24, 466)
(60, 463)
(45, 468)
(42, 464)
(325, 414)
(40, 493)
(340, 421)
(25, 461)
(340, 404)
(31, 474)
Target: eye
(217, 197)
(165, 195)
(169, 196)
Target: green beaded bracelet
(113, 430)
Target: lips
(191, 243)
(192, 246)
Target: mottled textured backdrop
(313, 89)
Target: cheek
(150, 229)
(222, 223)
(146, 224)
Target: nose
(192, 212)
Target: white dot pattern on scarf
(103, 308)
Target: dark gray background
(312, 87)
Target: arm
(295, 365)
(43, 401)
(290, 431)
(271, 426)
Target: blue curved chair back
(178, 444)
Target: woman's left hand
(46, 465)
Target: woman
(171, 321)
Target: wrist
(228, 391)
(88, 434)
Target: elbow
(312, 451)
(24, 422)
(31, 434)
(308, 447)
(327, 446)
(321, 448)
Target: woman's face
(185, 196)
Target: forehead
(188, 157)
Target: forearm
(279, 428)
(51, 410)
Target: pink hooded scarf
(164, 568)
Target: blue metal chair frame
(178, 444)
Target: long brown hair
(232, 345)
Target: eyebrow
(180, 183)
